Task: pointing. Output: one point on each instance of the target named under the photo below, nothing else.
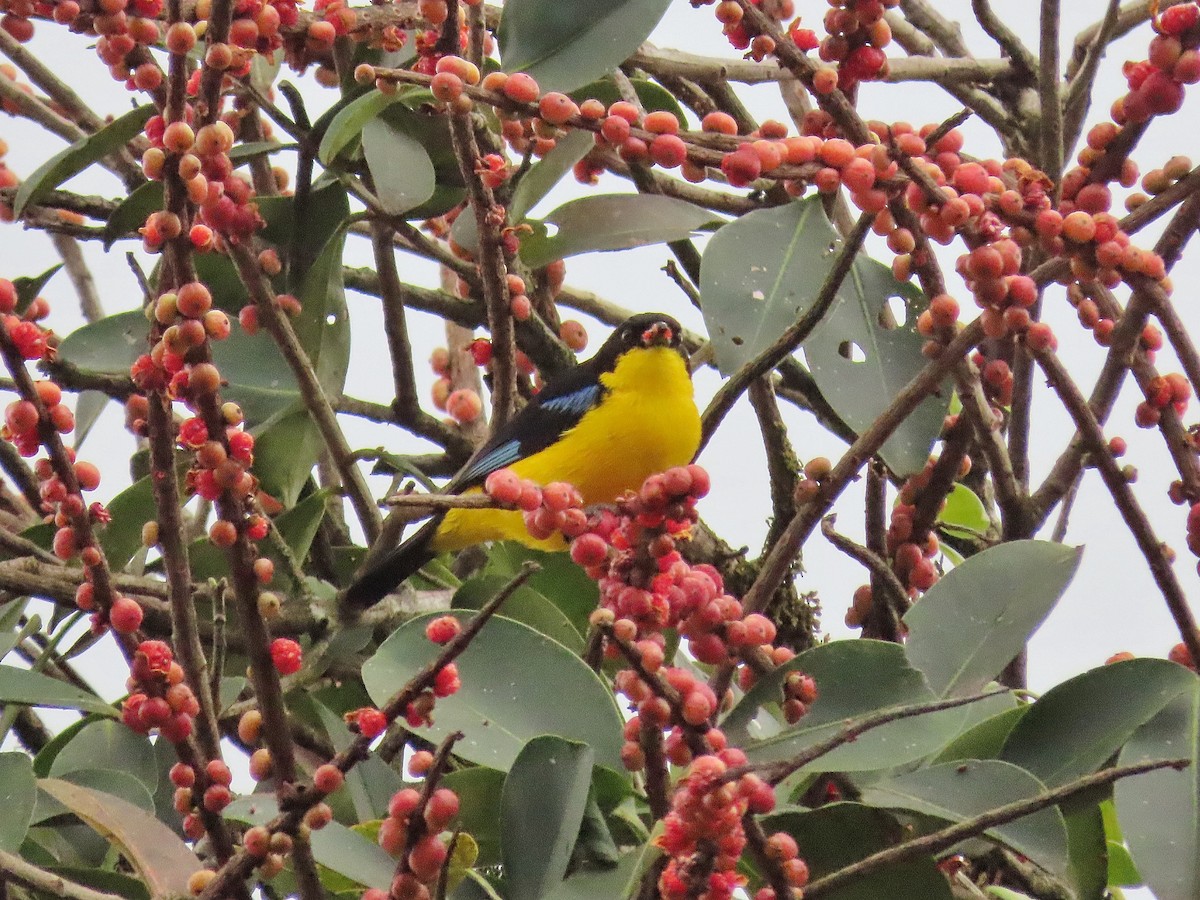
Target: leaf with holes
(565, 44)
(611, 222)
(760, 273)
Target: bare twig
(310, 389)
(1130, 510)
(15, 869)
(1049, 86)
(973, 827)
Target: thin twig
(1004, 36)
(1049, 92)
(791, 338)
(947, 837)
(1130, 510)
(1083, 78)
(80, 275)
(15, 869)
(313, 394)
(897, 598)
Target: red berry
(125, 615)
(443, 629)
(371, 722)
(286, 656)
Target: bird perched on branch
(603, 426)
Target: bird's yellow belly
(648, 422)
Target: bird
(603, 426)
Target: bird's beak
(657, 335)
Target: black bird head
(643, 330)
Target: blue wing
(575, 403)
(541, 423)
(496, 458)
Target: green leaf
(986, 739)
(549, 171)
(26, 688)
(349, 122)
(761, 272)
(432, 130)
(540, 812)
(525, 605)
(163, 861)
(285, 451)
(18, 795)
(88, 407)
(371, 783)
(244, 152)
(28, 287)
(962, 790)
(854, 679)
(840, 834)
(131, 509)
(1159, 811)
(400, 168)
(115, 782)
(131, 213)
(964, 514)
(298, 526)
(564, 44)
(611, 222)
(1089, 859)
(517, 684)
(1077, 725)
(565, 584)
(351, 855)
(971, 623)
(1121, 870)
(611, 884)
(109, 745)
(110, 882)
(479, 789)
(70, 162)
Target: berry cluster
(60, 486)
(704, 835)
(413, 831)
(856, 35)
(646, 587)
(193, 792)
(730, 14)
(1156, 84)
(158, 700)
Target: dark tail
(383, 572)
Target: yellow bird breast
(646, 422)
